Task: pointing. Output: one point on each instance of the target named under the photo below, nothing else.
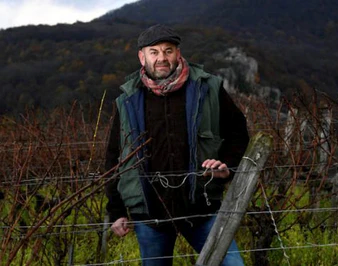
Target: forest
(42, 67)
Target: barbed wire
(181, 218)
(23, 144)
(81, 177)
(281, 121)
(95, 227)
(19, 235)
(121, 260)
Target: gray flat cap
(158, 33)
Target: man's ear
(178, 53)
(141, 57)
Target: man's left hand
(212, 164)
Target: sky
(14, 13)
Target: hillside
(305, 19)
(43, 67)
(293, 37)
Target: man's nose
(162, 57)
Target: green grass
(305, 242)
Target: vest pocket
(130, 189)
(208, 146)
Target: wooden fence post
(323, 153)
(105, 237)
(324, 138)
(236, 201)
(289, 129)
(71, 251)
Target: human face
(160, 60)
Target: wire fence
(100, 227)
(91, 228)
(62, 163)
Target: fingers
(120, 227)
(223, 171)
(213, 164)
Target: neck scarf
(172, 83)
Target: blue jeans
(157, 246)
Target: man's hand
(120, 227)
(212, 164)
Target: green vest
(203, 130)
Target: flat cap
(158, 33)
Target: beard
(157, 74)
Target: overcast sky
(15, 13)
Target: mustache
(162, 64)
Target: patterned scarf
(174, 82)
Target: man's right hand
(120, 227)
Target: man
(193, 126)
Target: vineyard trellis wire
(45, 176)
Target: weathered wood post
(289, 129)
(236, 201)
(323, 153)
(104, 243)
(71, 251)
(324, 138)
(294, 130)
(334, 201)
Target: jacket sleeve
(115, 207)
(233, 131)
